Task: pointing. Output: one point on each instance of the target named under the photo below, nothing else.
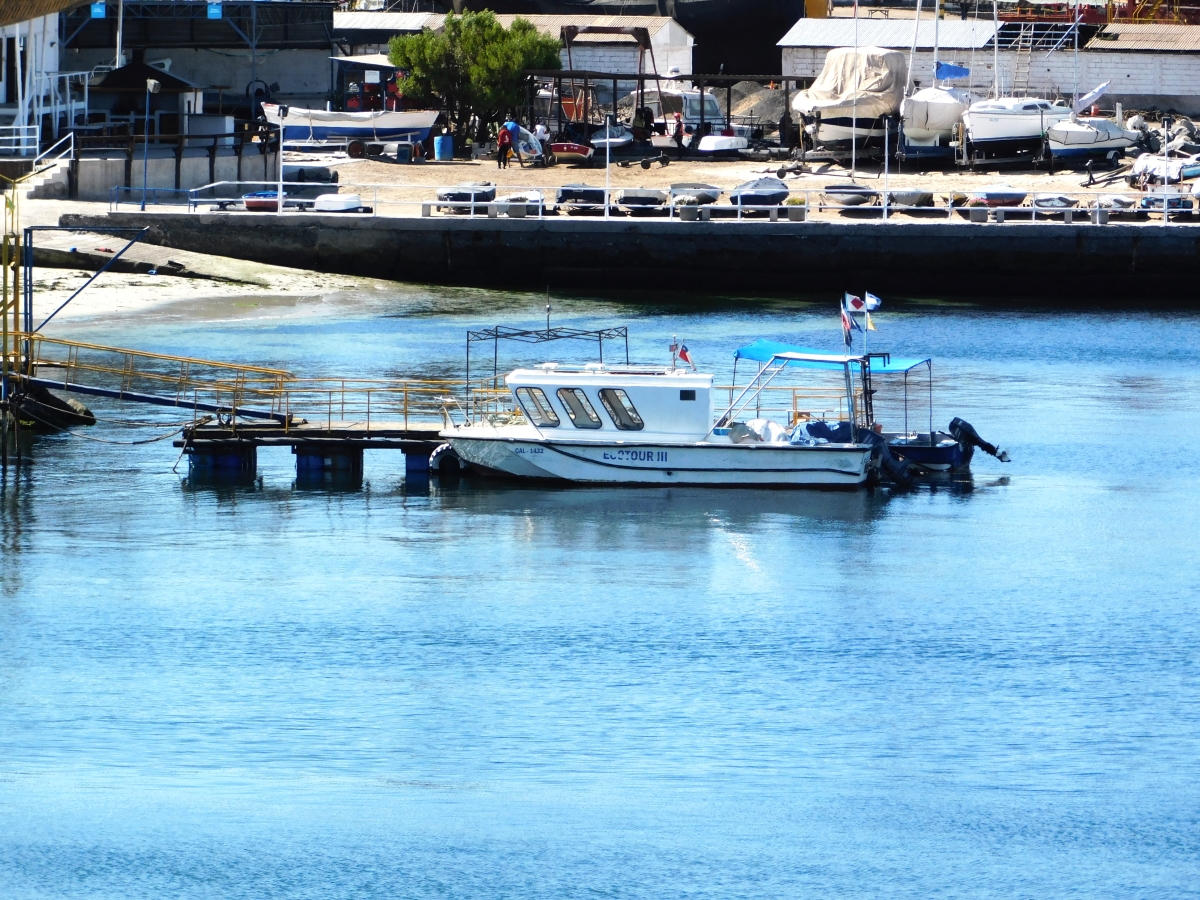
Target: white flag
(873, 302)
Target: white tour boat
(623, 424)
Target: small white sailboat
(928, 116)
(1008, 126)
(321, 126)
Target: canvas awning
(21, 10)
(805, 357)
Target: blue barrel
(443, 147)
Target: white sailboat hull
(697, 463)
(984, 127)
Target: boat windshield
(711, 110)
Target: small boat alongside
(766, 191)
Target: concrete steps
(51, 184)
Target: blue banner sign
(214, 10)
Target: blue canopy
(762, 351)
(947, 72)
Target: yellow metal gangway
(244, 392)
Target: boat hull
(826, 465)
(319, 126)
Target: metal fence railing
(19, 140)
(524, 201)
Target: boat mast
(913, 50)
(936, 21)
(854, 101)
(1075, 28)
(996, 48)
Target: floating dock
(905, 256)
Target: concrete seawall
(1093, 264)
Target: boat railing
(1163, 202)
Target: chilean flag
(685, 355)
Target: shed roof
(1183, 38)
(972, 34)
(553, 25)
(385, 21)
(21, 10)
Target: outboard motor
(965, 433)
(900, 471)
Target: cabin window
(537, 407)
(581, 411)
(687, 395)
(621, 410)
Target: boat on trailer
(315, 127)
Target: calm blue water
(492, 692)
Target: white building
(1149, 66)
(360, 33)
(36, 98)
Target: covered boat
(611, 138)
(766, 191)
(855, 90)
(1054, 200)
(581, 196)
(722, 143)
(320, 126)
(1088, 137)
(929, 116)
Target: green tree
(473, 65)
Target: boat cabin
(606, 403)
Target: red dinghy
(571, 152)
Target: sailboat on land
(929, 116)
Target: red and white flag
(686, 356)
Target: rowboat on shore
(262, 201)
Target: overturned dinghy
(473, 192)
(581, 197)
(641, 198)
(526, 203)
(768, 191)
(704, 193)
(914, 197)
(1054, 201)
(850, 194)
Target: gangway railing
(242, 391)
(19, 140)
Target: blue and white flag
(947, 72)
(873, 302)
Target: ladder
(1024, 48)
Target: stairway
(52, 183)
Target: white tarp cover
(934, 109)
(1154, 165)
(870, 78)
